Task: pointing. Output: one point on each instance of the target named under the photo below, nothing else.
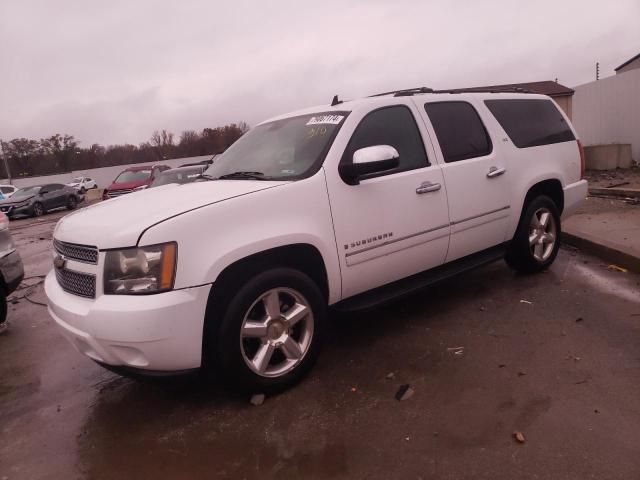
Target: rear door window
(394, 126)
(531, 122)
(460, 131)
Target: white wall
(103, 176)
(608, 111)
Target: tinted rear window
(461, 133)
(530, 123)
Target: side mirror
(377, 158)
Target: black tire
(37, 210)
(226, 351)
(83, 190)
(520, 253)
(3, 309)
(72, 203)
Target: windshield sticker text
(326, 119)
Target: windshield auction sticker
(326, 120)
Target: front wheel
(271, 331)
(72, 203)
(38, 209)
(535, 245)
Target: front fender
(214, 237)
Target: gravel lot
(554, 356)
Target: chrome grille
(82, 253)
(82, 284)
(117, 193)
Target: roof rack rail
(415, 91)
(405, 93)
(485, 90)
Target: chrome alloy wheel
(542, 234)
(276, 332)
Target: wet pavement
(555, 356)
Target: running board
(417, 282)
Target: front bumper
(13, 210)
(160, 332)
(574, 195)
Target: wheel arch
(300, 256)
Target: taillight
(582, 160)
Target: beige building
(630, 64)
(561, 95)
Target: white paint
(608, 111)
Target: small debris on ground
(519, 436)
(404, 392)
(502, 365)
(579, 319)
(527, 302)
(581, 382)
(596, 411)
(390, 376)
(619, 184)
(257, 399)
(617, 268)
(354, 389)
(456, 350)
(522, 373)
(483, 309)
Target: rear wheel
(72, 203)
(83, 190)
(38, 209)
(3, 311)
(535, 245)
(270, 333)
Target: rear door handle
(495, 172)
(427, 187)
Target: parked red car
(131, 178)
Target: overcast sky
(114, 71)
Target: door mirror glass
(375, 159)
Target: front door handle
(495, 172)
(427, 187)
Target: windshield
(26, 192)
(77, 180)
(183, 175)
(133, 176)
(284, 149)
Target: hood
(128, 185)
(13, 200)
(118, 222)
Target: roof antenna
(335, 101)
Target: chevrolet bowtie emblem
(59, 262)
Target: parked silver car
(11, 269)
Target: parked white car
(347, 205)
(8, 190)
(82, 184)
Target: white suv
(347, 205)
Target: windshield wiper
(242, 175)
(207, 177)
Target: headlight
(140, 270)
